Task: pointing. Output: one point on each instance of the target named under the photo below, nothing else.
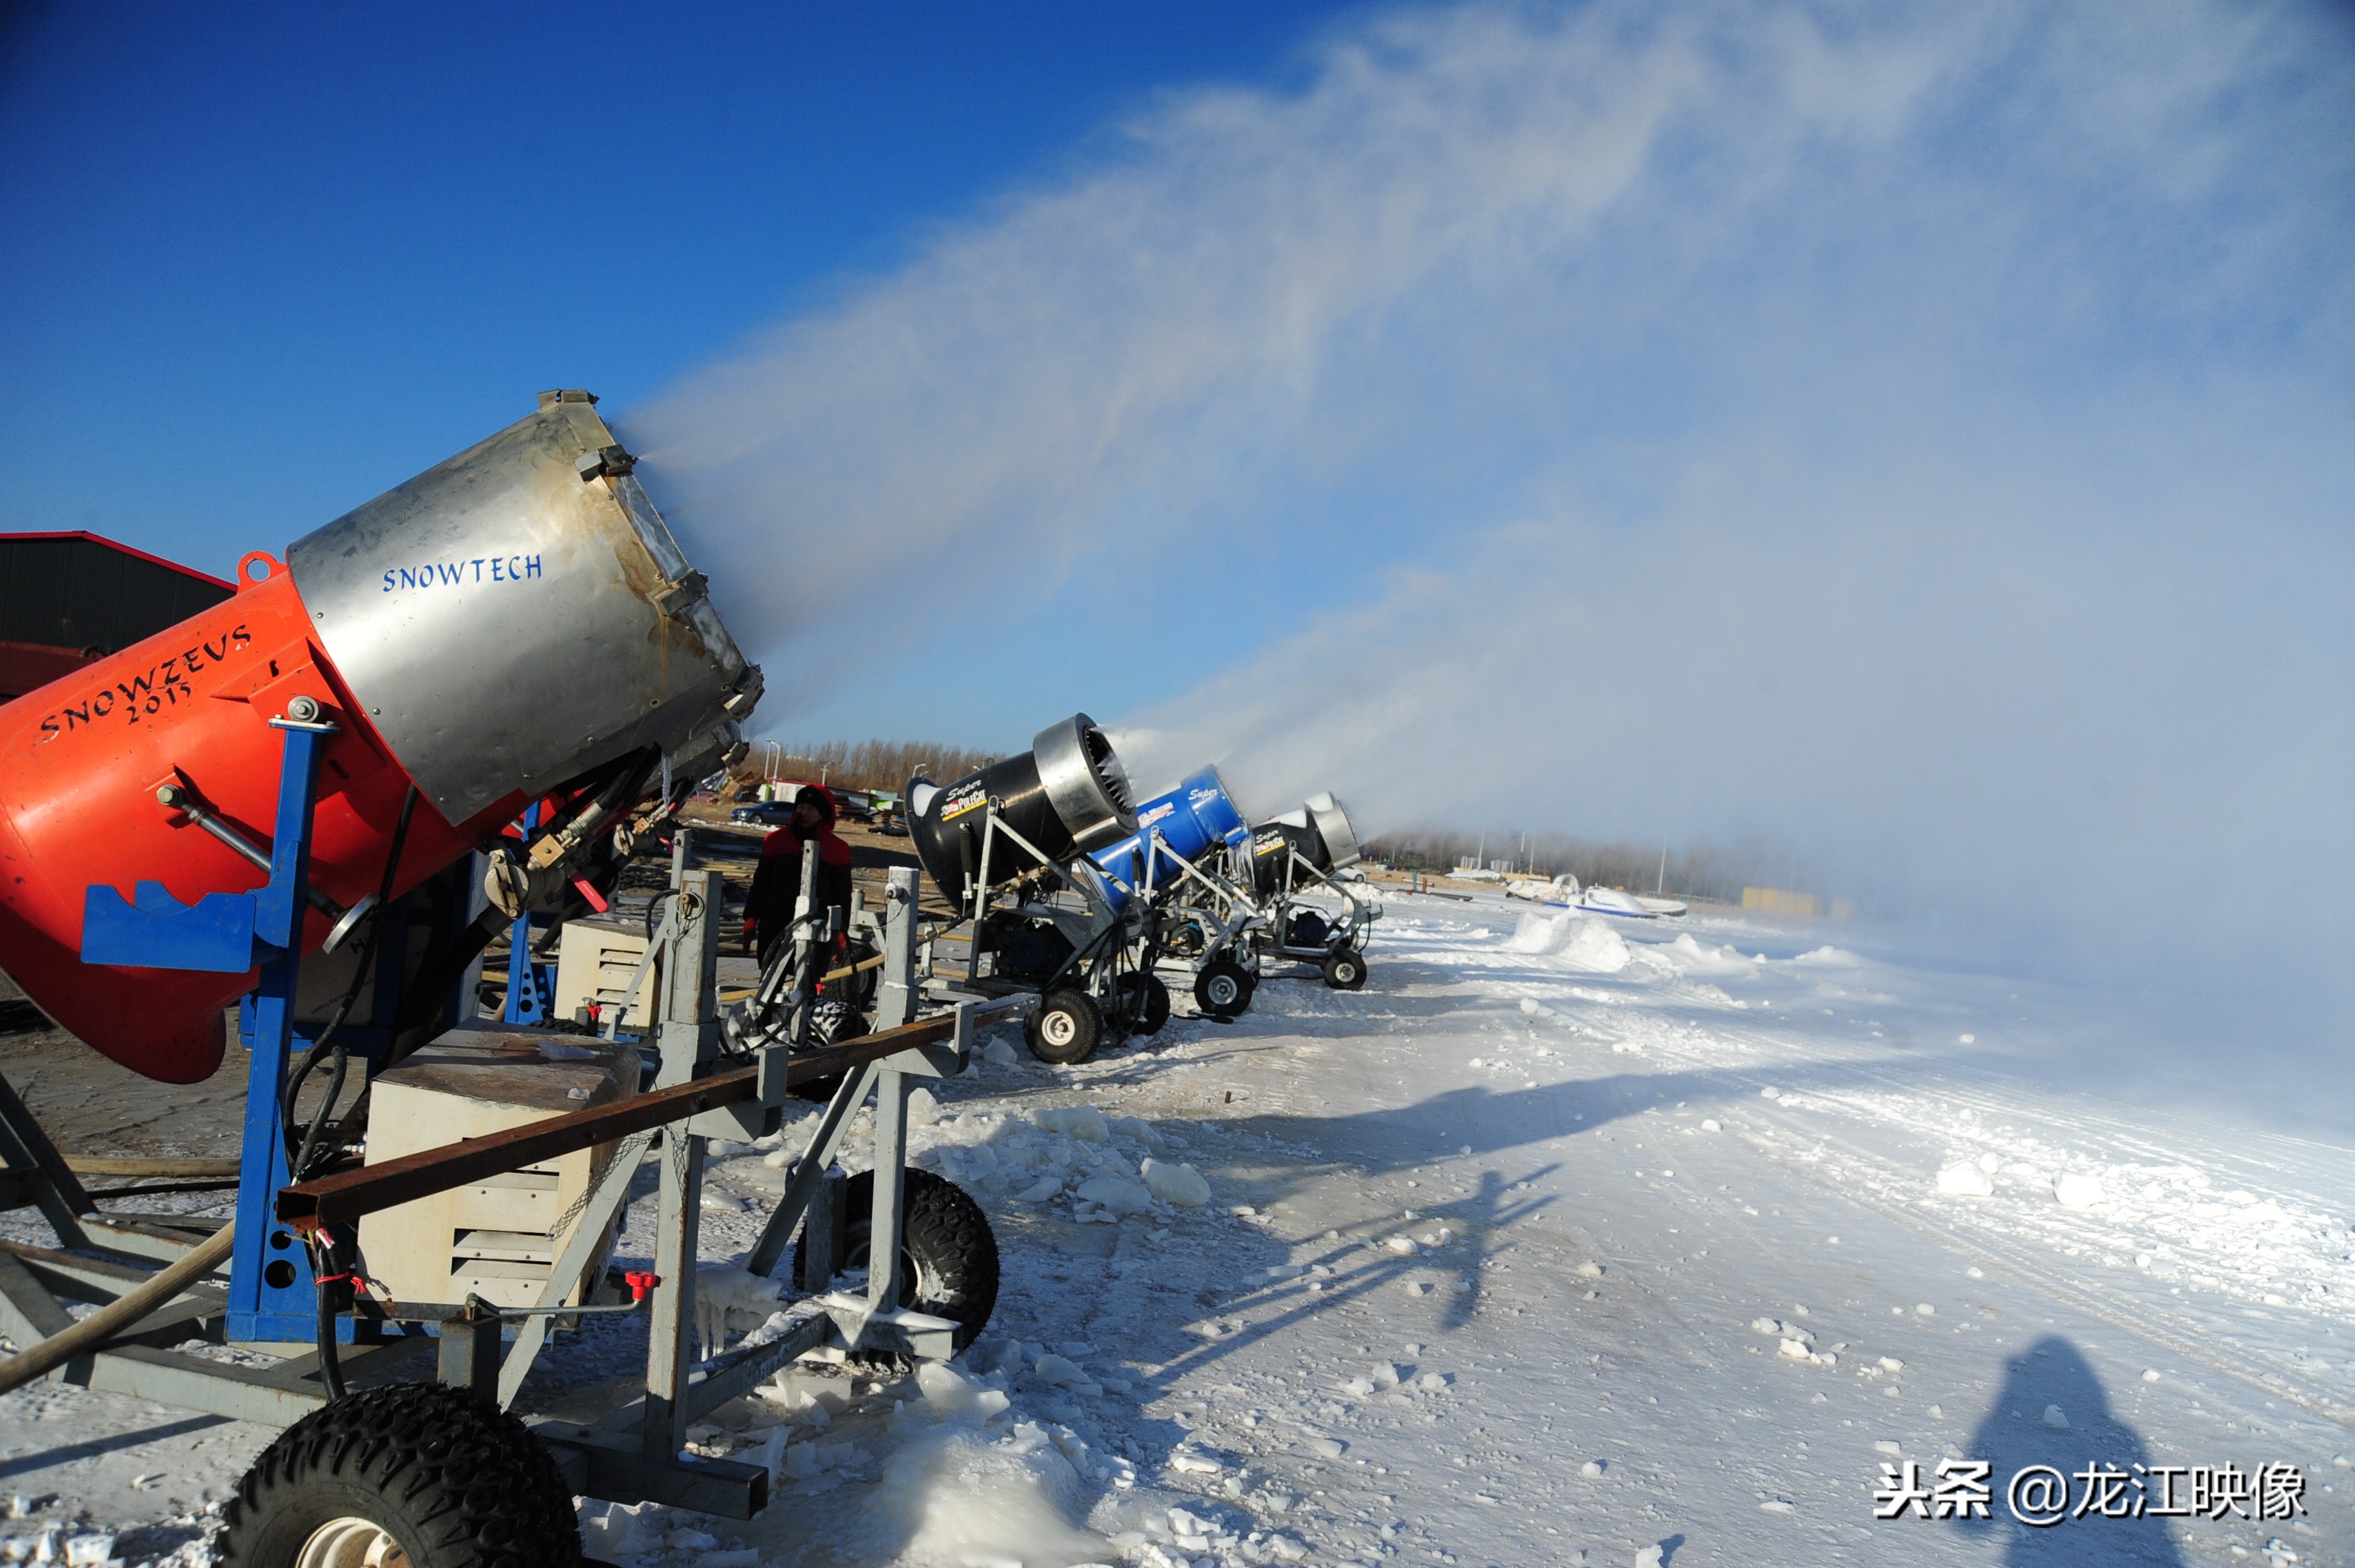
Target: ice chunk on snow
(1417, 1287)
(923, 1107)
(1431, 1382)
(2075, 1190)
(1797, 1350)
(1361, 1387)
(2056, 1418)
(88, 1550)
(1084, 1123)
(1039, 1191)
(1782, 1329)
(1117, 1195)
(1651, 1557)
(997, 1053)
(1138, 1129)
(1403, 1245)
(1590, 1269)
(1889, 1447)
(946, 1390)
(1923, 1309)
(1180, 1185)
(1711, 1125)
(1531, 1006)
(1328, 1447)
(1591, 1469)
(1966, 1180)
(1057, 1371)
(2150, 1374)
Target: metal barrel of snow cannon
(1196, 817)
(496, 627)
(1067, 796)
(1318, 830)
(1333, 827)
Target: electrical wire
(298, 1164)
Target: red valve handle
(639, 1282)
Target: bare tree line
(1704, 872)
(864, 764)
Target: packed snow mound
(1965, 1180)
(2076, 1189)
(1690, 957)
(1828, 955)
(1581, 941)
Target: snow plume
(1918, 434)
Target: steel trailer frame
(634, 1452)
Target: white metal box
(594, 961)
(495, 1239)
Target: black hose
(414, 1023)
(299, 1162)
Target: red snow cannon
(487, 632)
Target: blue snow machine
(1178, 873)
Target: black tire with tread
(1067, 1027)
(948, 1254)
(456, 1482)
(1345, 970)
(1223, 989)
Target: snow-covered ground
(1564, 1241)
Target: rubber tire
(1155, 1014)
(1067, 1027)
(1223, 989)
(948, 1254)
(456, 1482)
(1345, 970)
(1186, 938)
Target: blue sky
(264, 263)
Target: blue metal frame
(531, 988)
(271, 1297)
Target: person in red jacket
(777, 884)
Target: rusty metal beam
(345, 1195)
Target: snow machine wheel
(1188, 939)
(413, 1476)
(1147, 1012)
(1223, 989)
(1067, 1027)
(1345, 971)
(948, 1256)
